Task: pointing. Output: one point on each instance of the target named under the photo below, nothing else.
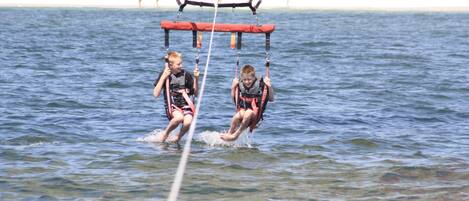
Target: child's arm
(159, 85)
(234, 84)
(271, 89)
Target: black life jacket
(254, 97)
(177, 95)
(254, 91)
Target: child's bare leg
(175, 121)
(185, 127)
(237, 118)
(247, 118)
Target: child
(250, 104)
(178, 85)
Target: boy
(178, 85)
(250, 104)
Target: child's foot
(173, 139)
(161, 138)
(228, 137)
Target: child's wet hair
(174, 55)
(248, 69)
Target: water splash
(153, 136)
(212, 138)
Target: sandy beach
(439, 5)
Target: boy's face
(248, 79)
(175, 65)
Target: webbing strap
(169, 110)
(194, 39)
(240, 39)
(237, 64)
(188, 100)
(166, 38)
(267, 54)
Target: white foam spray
(153, 136)
(212, 138)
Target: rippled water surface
(369, 106)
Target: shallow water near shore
(369, 106)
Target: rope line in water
(187, 146)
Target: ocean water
(369, 106)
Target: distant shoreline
(439, 9)
(378, 5)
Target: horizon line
(378, 5)
(338, 8)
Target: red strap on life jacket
(171, 107)
(252, 101)
(260, 109)
(255, 108)
(188, 100)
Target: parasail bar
(252, 4)
(203, 26)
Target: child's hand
(196, 72)
(267, 82)
(166, 72)
(235, 82)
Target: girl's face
(175, 65)
(248, 79)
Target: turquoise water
(369, 106)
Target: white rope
(187, 146)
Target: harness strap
(177, 108)
(169, 109)
(261, 110)
(255, 109)
(236, 98)
(166, 38)
(187, 99)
